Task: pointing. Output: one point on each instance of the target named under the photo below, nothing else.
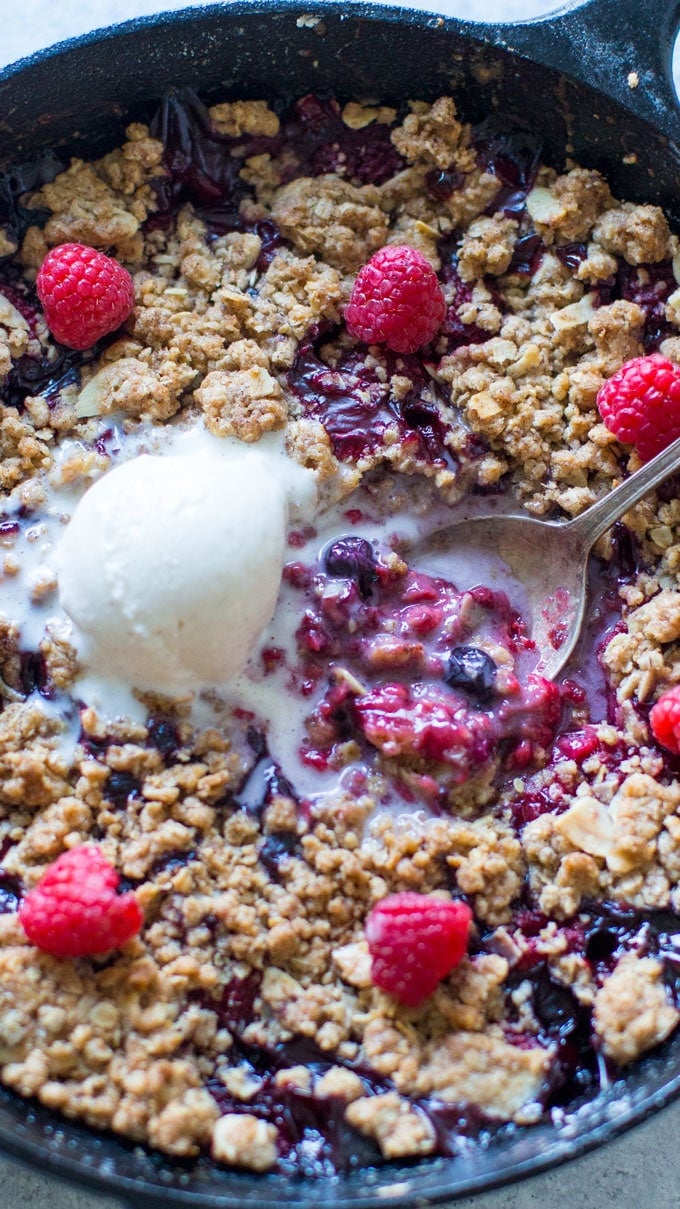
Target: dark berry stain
(512, 154)
(264, 781)
(197, 157)
(235, 1009)
(649, 286)
(34, 675)
(321, 142)
(454, 333)
(19, 180)
(172, 862)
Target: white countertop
(640, 1170)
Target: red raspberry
(84, 294)
(640, 404)
(415, 940)
(664, 719)
(74, 910)
(396, 300)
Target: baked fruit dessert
(302, 864)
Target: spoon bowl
(550, 558)
(550, 563)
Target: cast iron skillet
(569, 75)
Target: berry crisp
(390, 891)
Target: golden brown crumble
(341, 222)
(433, 134)
(632, 1011)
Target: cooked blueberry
(275, 849)
(527, 255)
(10, 894)
(351, 558)
(572, 255)
(473, 671)
(441, 185)
(162, 734)
(121, 786)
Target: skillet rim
(401, 1188)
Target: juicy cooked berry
(473, 671)
(10, 893)
(121, 786)
(351, 558)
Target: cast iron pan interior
(568, 76)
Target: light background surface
(638, 1171)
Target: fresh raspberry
(396, 300)
(415, 940)
(84, 294)
(640, 404)
(664, 719)
(74, 910)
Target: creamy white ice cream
(171, 566)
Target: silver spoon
(550, 558)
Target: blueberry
(10, 893)
(351, 558)
(275, 849)
(162, 734)
(473, 671)
(121, 786)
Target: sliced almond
(92, 400)
(577, 314)
(543, 206)
(10, 317)
(587, 826)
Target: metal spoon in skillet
(550, 558)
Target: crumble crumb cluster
(247, 998)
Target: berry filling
(361, 412)
(410, 663)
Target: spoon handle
(597, 519)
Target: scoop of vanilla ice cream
(171, 567)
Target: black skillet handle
(623, 48)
